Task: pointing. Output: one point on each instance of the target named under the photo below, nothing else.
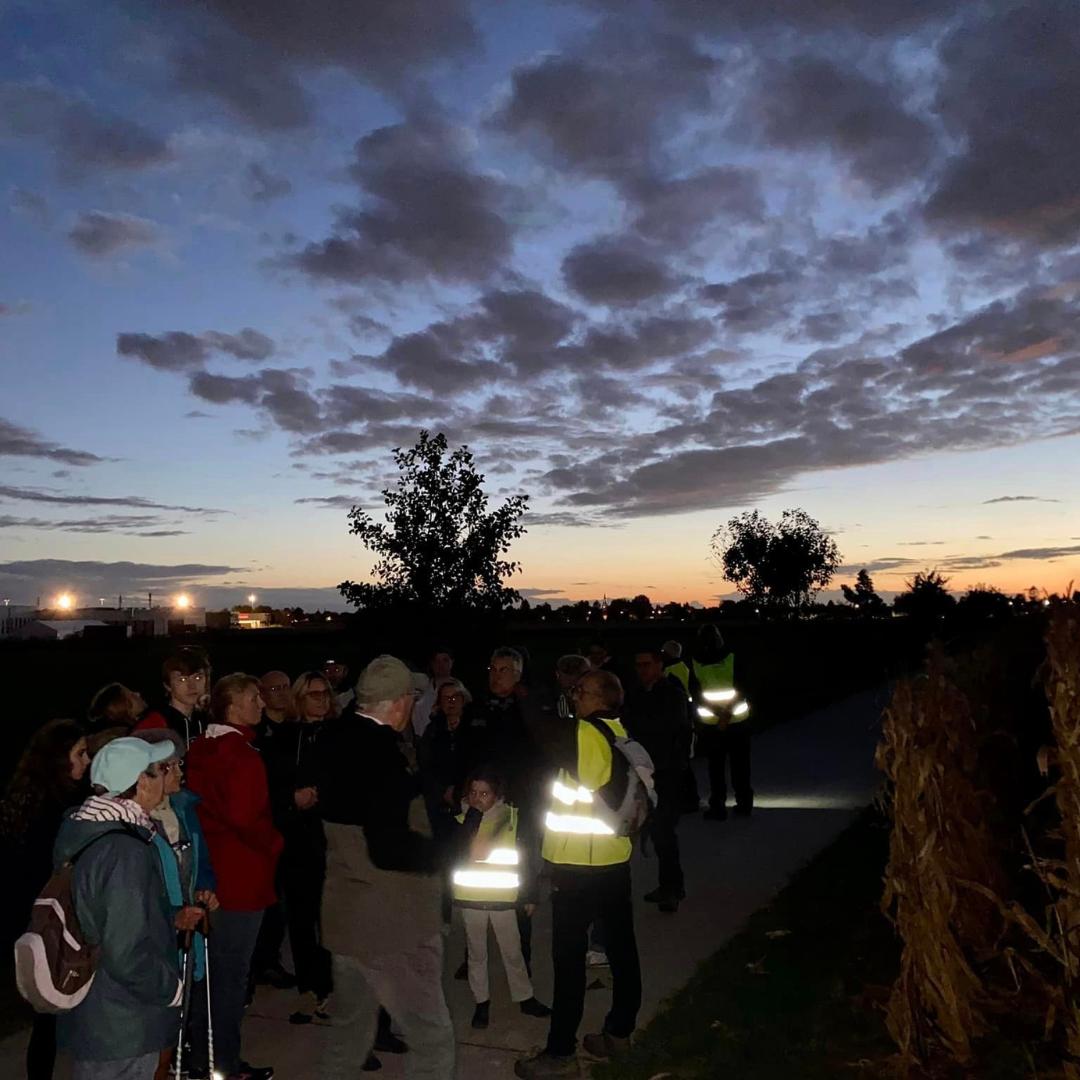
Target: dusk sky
(655, 263)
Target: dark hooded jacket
(119, 895)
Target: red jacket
(228, 774)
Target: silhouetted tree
(927, 597)
(439, 547)
(863, 597)
(984, 602)
(641, 607)
(780, 566)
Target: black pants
(271, 938)
(732, 743)
(302, 876)
(579, 896)
(41, 1053)
(662, 828)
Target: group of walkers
(356, 817)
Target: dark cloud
(17, 441)
(178, 350)
(264, 185)
(98, 234)
(608, 111)
(360, 404)
(1017, 498)
(134, 502)
(810, 102)
(675, 212)
(108, 523)
(405, 231)
(1008, 96)
(331, 502)
(82, 138)
(252, 56)
(283, 395)
(616, 270)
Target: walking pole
(185, 1000)
(209, 1011)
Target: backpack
(627, 798)
(54, 964)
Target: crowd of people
(356, 817)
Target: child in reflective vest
(485, 886)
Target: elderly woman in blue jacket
(185, 866)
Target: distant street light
(65, 602)
(252, 598)
(183, 601)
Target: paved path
(811, 775)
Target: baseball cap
(120, 763)
(386, 678)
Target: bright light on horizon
(183, 601)
(252, 598)
(65, 601)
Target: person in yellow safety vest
(485, 885)
(722, 713)
(589, 867)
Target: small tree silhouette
(863, 597)
(440, 547)
(780, 566)
(927, 597)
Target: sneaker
(596, 958)
(544, 1066)
(251, 1072)
(309, 1003)
(372, 1064)
(716, 815)
(532, 1007)
(462, 972)
(603, 1045)
(480, 1016)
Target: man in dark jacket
(656, 714)
(186, 679)
(130, 1014)
(381, 910)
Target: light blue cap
(119, 764)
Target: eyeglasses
(317, 693)
(275, 689)
(453, 697)
(170, 766)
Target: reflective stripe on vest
(493, 880)
(719, 698)
(574, 834)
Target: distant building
(56, 629)
(251, 620)
(16, 622)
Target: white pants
(504, 923)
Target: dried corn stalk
(939, 837)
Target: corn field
(983, 890)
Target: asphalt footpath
(811, 777)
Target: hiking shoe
(388, 1043)
(309, 1004)
(244, 1071)
(545, 1066)
(532, 1007)
(372, 1064)
(596, 958)
(604, 1046)
(480, 1016)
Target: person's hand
(1042, 760)
(209, 898)
(529, 909)
(305, 797)
(189, 917)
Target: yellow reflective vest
(681, 672)
(574, 835)
(490, 878)
(717, 696)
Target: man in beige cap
(381, 909)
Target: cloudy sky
(655, 263)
